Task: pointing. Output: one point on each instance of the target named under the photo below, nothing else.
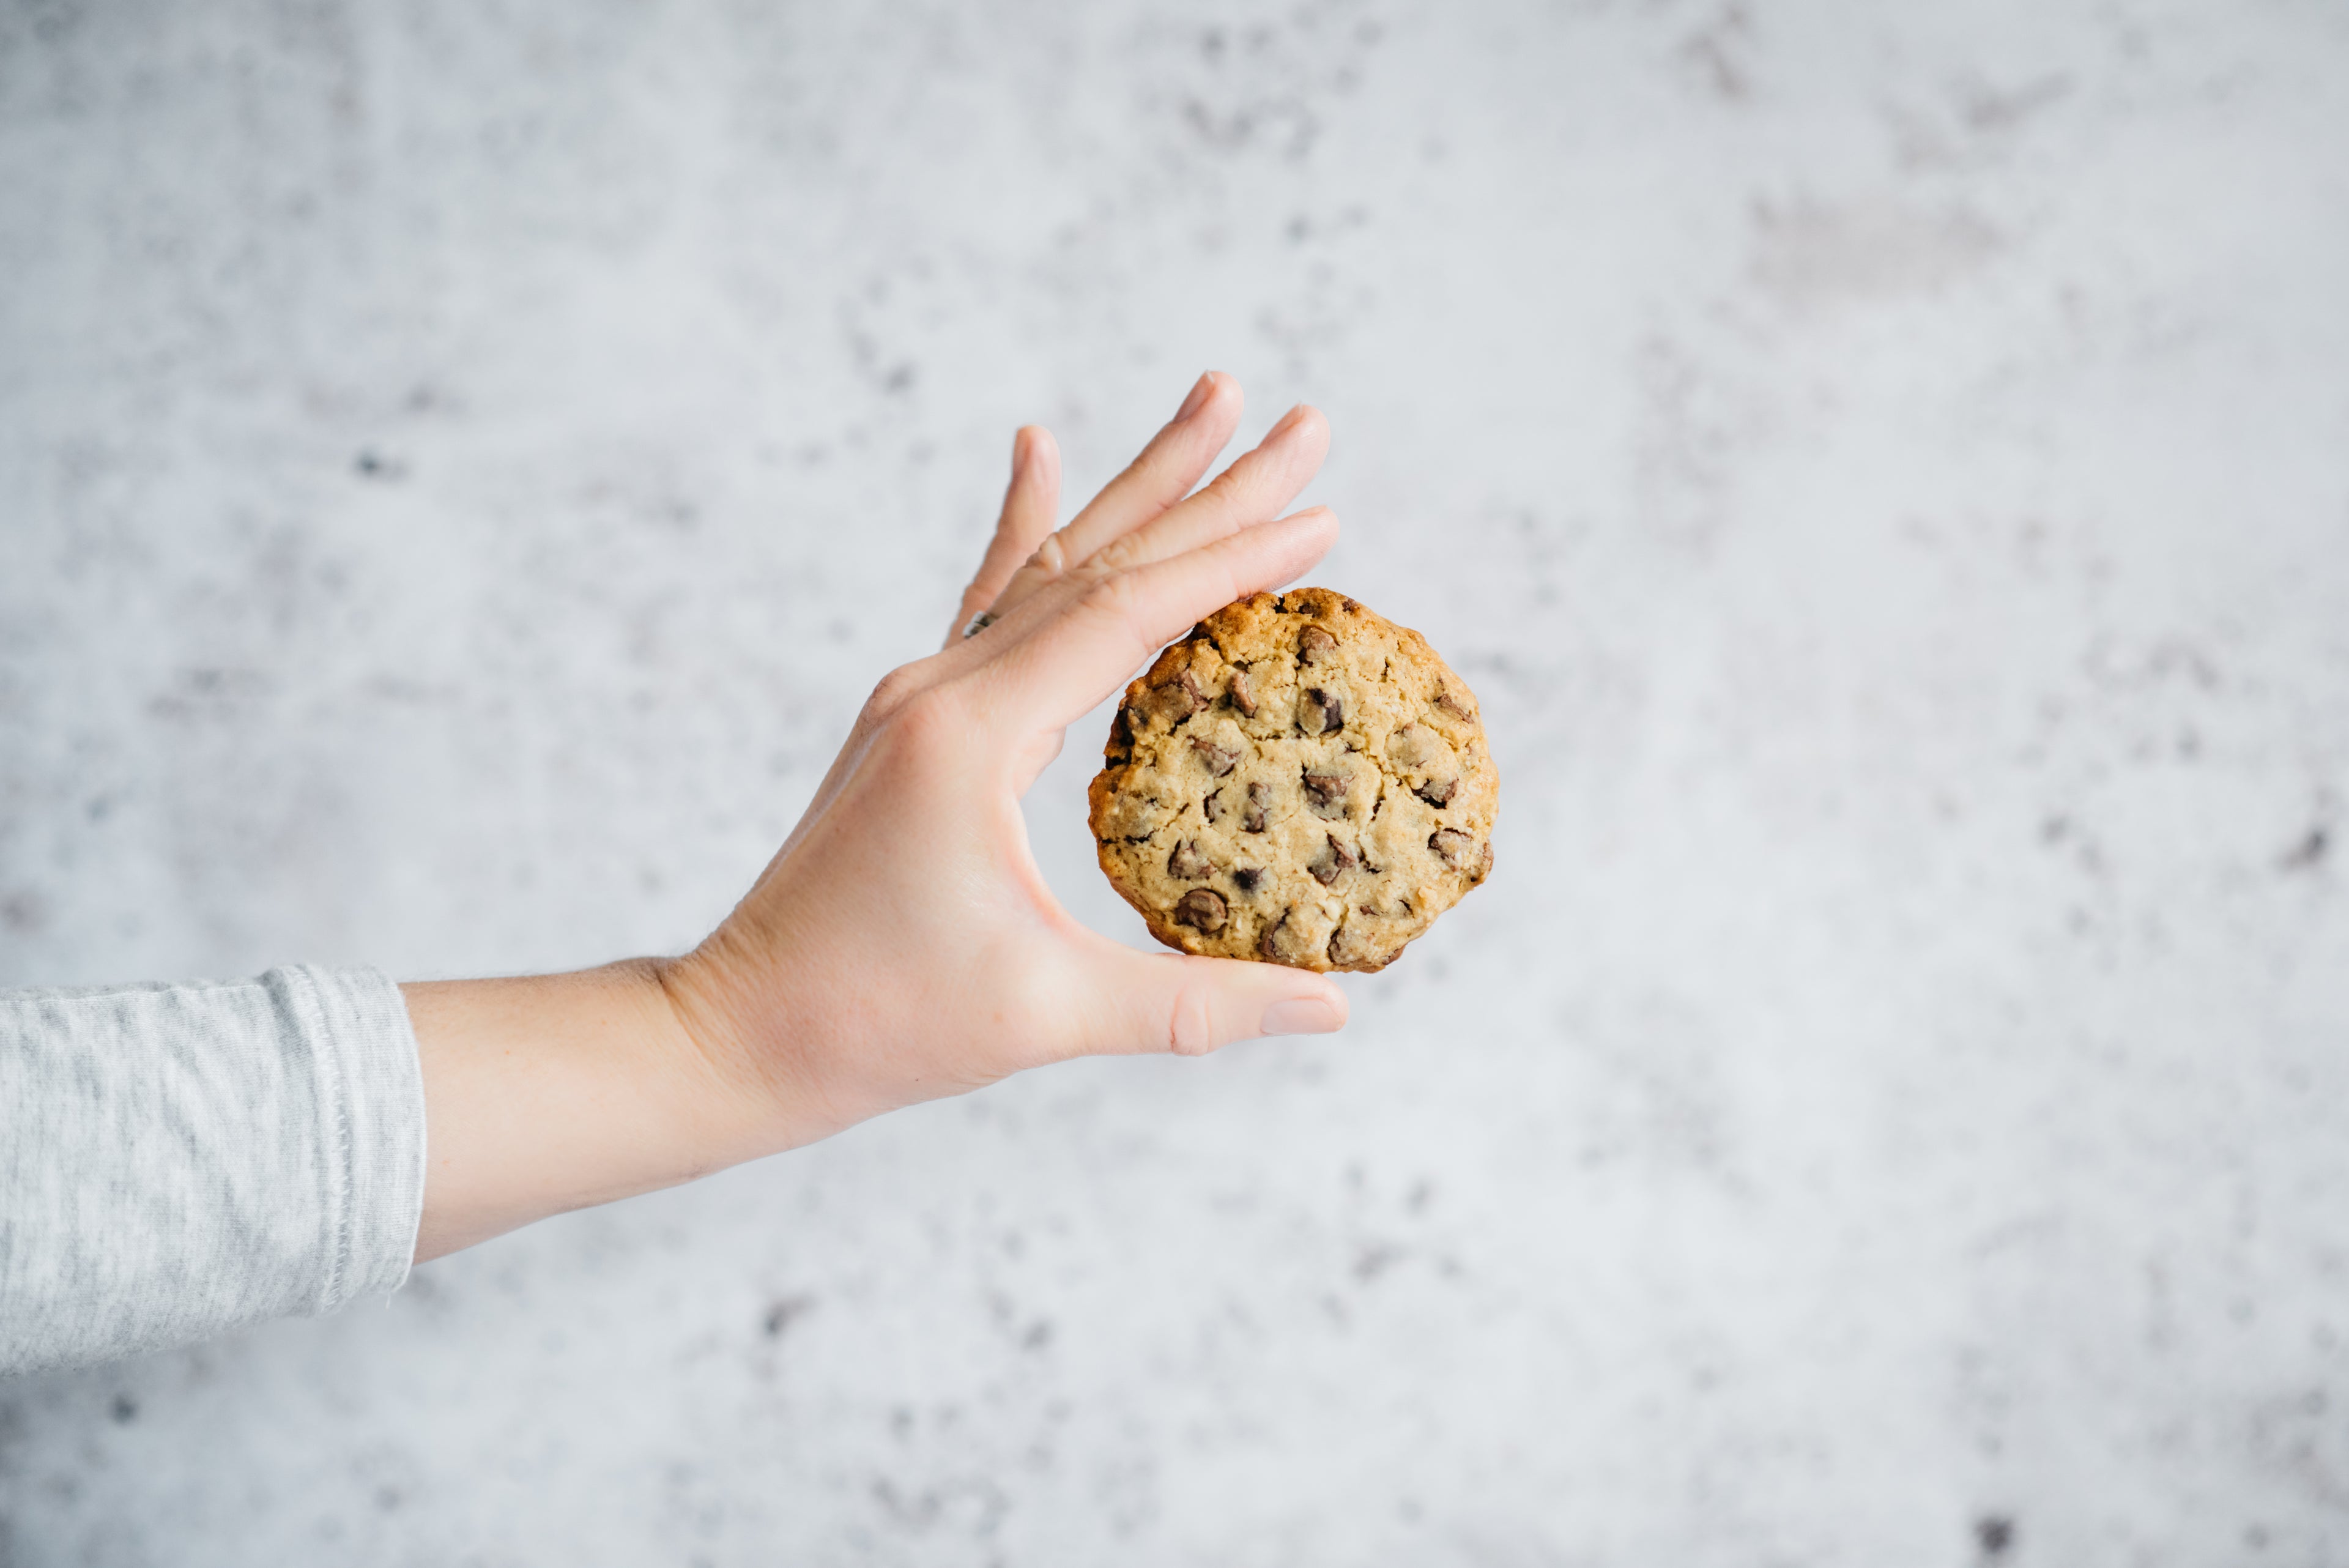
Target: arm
(902, 945)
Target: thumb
(1163, 1002)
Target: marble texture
(1885, 467)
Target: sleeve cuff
(371, 1112)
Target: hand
(902, 945)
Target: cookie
(1297, 781)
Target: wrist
(750, 1034)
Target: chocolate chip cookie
(1297, 781)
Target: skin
(902, 945)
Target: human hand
(902, 945)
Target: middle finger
(1255, 488)
(1162, 474)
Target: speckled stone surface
(1884, 470)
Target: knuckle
(916, 717)
(1224, 505)
(1119, 554)
(896, 689)
(922, 743)
(1235, 479)
(1113, 595)
(1050, 559)
(1164, 452)
(1191, 1022)
(931, 717)
(1033, 999)
(1117, 603)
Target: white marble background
(1885, 468)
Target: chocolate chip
(1260, 797)
(1453, 845)
(1212, 808)
(1314, 645)
(1332, 860)
(1325, 790)
(1121, 731)
(1242, 694)
(1437, 792)
(1201, 909)
(1187, 864)
(1176, 699)
(1318, 712)
(1268, 944)
(1220, 760)
(1458, 705)
(1248, 878)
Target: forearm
(557, 1092)
(178, 1161)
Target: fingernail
(1198, 398)
(1287, 422)
(1299, 1015)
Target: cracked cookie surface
(1298, 780)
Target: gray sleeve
(176, 1160)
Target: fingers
(1152, 1001)
(1252, 489)
(1088, 643)
(1168, 467)
(1031, 503)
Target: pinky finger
(1031, 505)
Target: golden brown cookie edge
(1344, 615)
